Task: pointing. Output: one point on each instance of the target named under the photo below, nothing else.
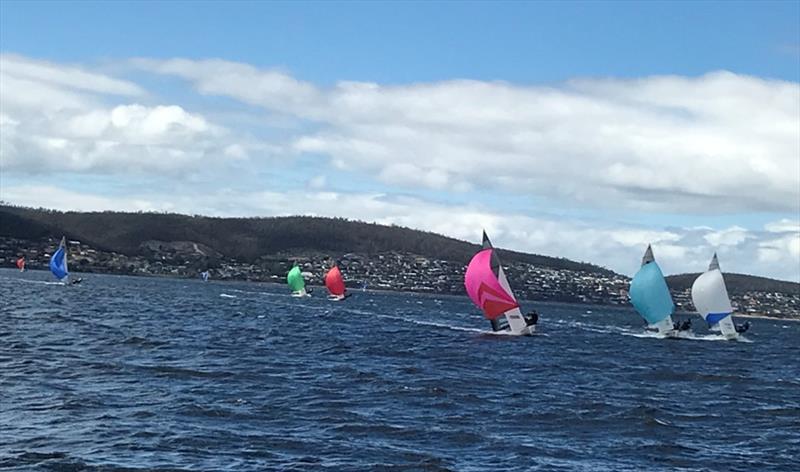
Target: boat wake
(437, 325)
(39, 282)
(225, 295)
(690, 336)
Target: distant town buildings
(383, 271)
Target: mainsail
(710, 298)
(650, 295)
(296, 282)
(335, 283)
(58, 262)
(487, 287)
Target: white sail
(710, 298)
(514, 316)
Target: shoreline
(383, 290)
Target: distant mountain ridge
(246, 239)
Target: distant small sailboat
(204, 275)
(296, 282)
(335, 284)
(650, 295)
(710, 298)
(487, 287)
(21, 264)
(58, 262)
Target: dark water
(125, 373)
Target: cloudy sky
(580, 130)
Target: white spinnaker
(514, 316)
(710, 297)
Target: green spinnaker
(295, 279)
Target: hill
(384, 257)
(247, 239)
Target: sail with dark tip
(714, 264)
(487, 287)
(710, 299)
(648, 256)
(650, 295)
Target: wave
(39, 282)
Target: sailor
(676, 325)
(686, 325)
(531, 318)
(743, 327)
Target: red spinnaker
(334, 281)
(21, 263)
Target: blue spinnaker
(58, 263)
(650, 294)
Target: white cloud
(719, 142)
(58, 118)
(727, 237)
(68, 77)
(268, 88)
(783, 226)
(619, 248)
(124, 138)
(667, 145)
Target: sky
(584, 130)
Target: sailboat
(58, 262)
(650, 296)
(487, 287)
(710, 298)
(335, 284)
(21, 264)
(204, 275)
(296, 282)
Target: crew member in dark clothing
(687, 325)
(531, 318)
(743, 327)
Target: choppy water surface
(136, 373)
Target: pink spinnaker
(484, 289)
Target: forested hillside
(246, 239)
